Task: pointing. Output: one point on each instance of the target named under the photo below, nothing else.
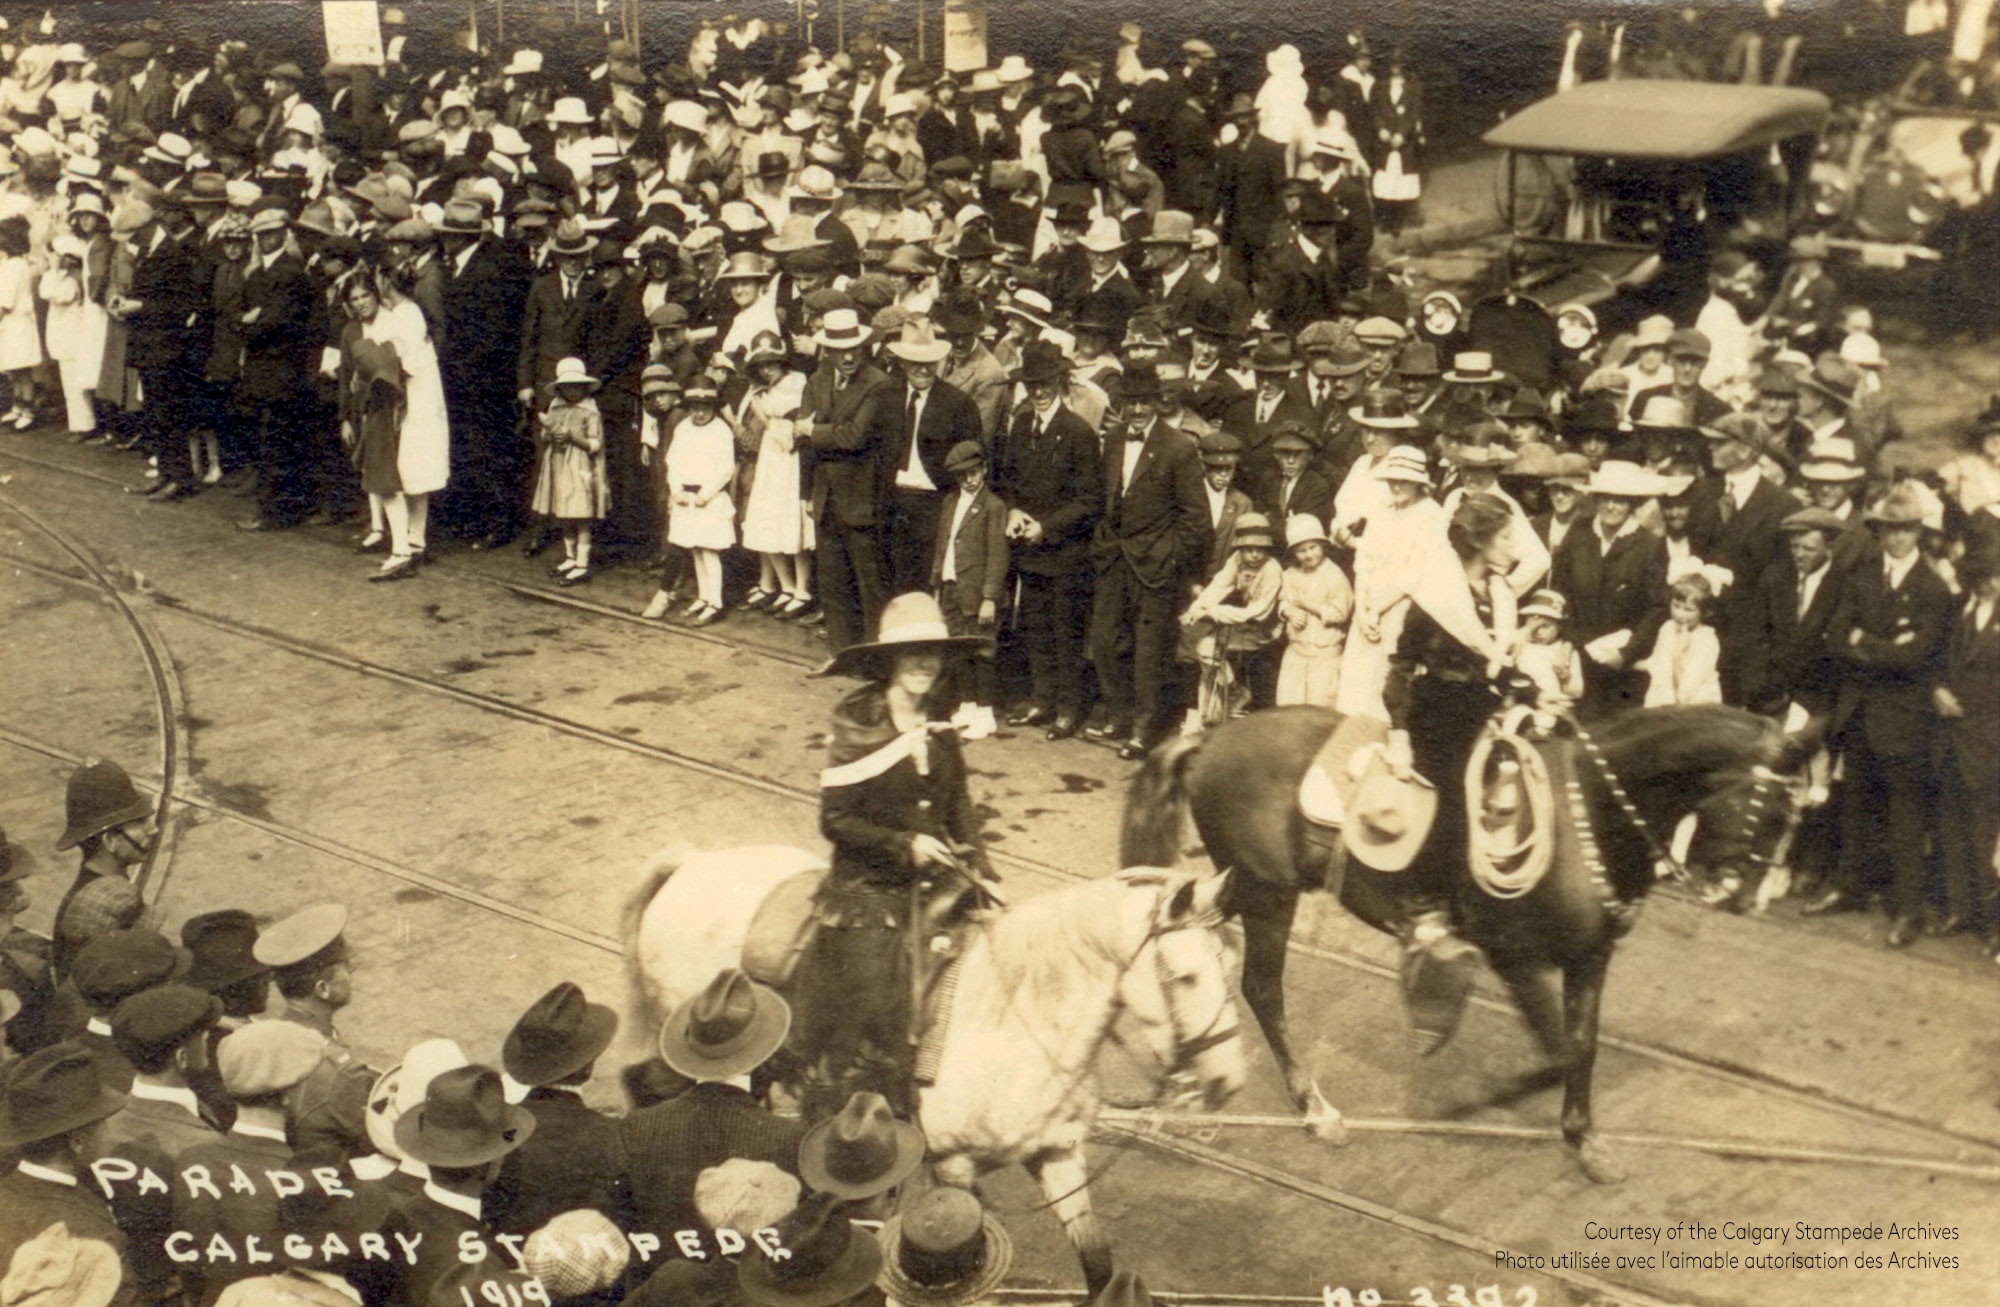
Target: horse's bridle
(1222, 1027)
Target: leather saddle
(785, 923)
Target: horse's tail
(654, 878)
(1153, 805)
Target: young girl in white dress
(701, 465)
(1683, 662)
(776, 523)
(20, 333)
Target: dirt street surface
(480, 765)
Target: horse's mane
(1036, 942)
(1649, 745)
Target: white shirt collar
(1631, 525)
(256, 1131)
(373, 1166)
(1898, 569)
(1312, 251)
(180, 1094)
(457, 1202)
(98, 1026)
(40, 1172)
(1172, 279)
(1742, 483)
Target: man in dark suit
(463, 1132)
(1687, 354)
(50, 1122)
(164, 312)
(716, 1039)
(1149, 543)
(1212, 391)
(1292, 484)
(1889, 635)
(1968, 766)
(1173, 288)
(563, 305)
(1735, 522)
(922, 419)
(278, 366)
(838, 413)
(1280, 398)
(1107, 296)
(1303, 280)
(1614, 575)
(201, 107)
(1046, 469)
(482, 284)
(1795, 600)
(573, 1158)
(143, 94)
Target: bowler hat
(1041, 361)
(560, 1034)
(910, 622)
(944, 1251)
(52, 1092)
(733, 1025)
(1418, 359)
(223, 945)
(826, 1259)
(99, 796)
(1388, 817)
(464, 1120)
(862, 1152)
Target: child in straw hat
(572, 487)
(1315, 603)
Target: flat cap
(1199, 48)
(267, 1057)
(121, 963)
(162, 1018)
(301, 936)
(668, 315)
(964, 455)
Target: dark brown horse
(1240, 785)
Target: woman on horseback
(893, 802)
(1441, 689)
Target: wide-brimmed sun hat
(910, 623)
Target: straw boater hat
(1473, 367)
(842, 329)
(945, 1251)
(1624, 480)
(1388, 818)
(1404, 463)
(910, 623)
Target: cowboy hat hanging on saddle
(906, 853)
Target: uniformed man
(308, 958)
(111, 824)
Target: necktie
(1805, 594)
(1728, 504)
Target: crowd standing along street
(1451, 586)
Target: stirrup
(1319, 800)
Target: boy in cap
(1233, 622)
(308, 956)
(572, 1160)
(51, 1110)
(969, 572)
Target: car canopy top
(1642, 118)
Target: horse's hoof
(1600, 1162)
(1329, 1127)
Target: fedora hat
(731, 1027)
(462, 216)
(1388, 818)
(1832, 458)
(1418, 359)
(745, 265)
(205, 188)
(1621, 479)
(1744, 428)
(1473, 367)
(572, 372)
(828, 1259)
(99, 796)
(797, 233)
(569, 111)
(559, 1035)
(1404, 463)
(1689, 343)
(1170, 227)
(920, 343)
(1041, 361)
(1834, 377)
(960, 313)
(1481, 449)
(571, 238)
(52, 1092)
(842, 329)
(1527, 405)
(975, 244)
(862, 1152)
(1273, 356)
(910, 621)
(402, 1087)
(223, 945)
(1572, 471)
(1105, 236)
(945, 1251)
(1385, 410)
(464, 1120)
(1252, 529)
(1902, 506)
(1030, 305)
(1663, 412)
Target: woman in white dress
(422, 461)
(1401, 538)
(75, 335)
(701, 467)
(20, 334)
(776, 523)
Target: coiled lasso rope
(1508, 862)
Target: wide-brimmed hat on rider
(911, 623)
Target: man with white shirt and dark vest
(51, 1113)
(1889, 634)
(1148, 545)
(1046, 470)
